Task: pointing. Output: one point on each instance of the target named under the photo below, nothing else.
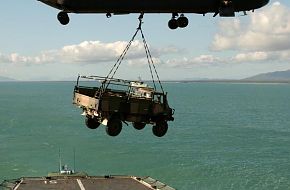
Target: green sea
(225, 136)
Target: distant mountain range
(278, 76)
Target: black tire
(160, 129)
(139, 125)
(182, 22)
(173, 24)
(92, 123)
(63, 18)
(114, 127)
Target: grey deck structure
(85, 183)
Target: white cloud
(3, 58)
(199, 60)
(284, 55)
(15, 58)
(143, 61)
(239, 58)
(251, 57)
(96, 51)
(268, 30)
(90, 52)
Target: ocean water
(225, 136)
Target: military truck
(113, 102)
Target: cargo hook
(140, 18)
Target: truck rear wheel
(114, 127)
(91, 123)
(160, 129)
(139, 125)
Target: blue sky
(34, 46)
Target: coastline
(175, 81)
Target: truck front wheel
(114, 127)
(92, 123)
(139, 125)
(160, 129)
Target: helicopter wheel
(173, 24)
(63, 18)
(182, 21)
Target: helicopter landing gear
(63, 18)
(180, 22)
(227, 8)
(172, 23)
(108, 15)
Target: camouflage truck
(125, 101)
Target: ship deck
(85, 183)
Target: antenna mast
(74, 160)
(59, 155)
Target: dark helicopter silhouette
(224, 8)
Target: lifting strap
(116, 66)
